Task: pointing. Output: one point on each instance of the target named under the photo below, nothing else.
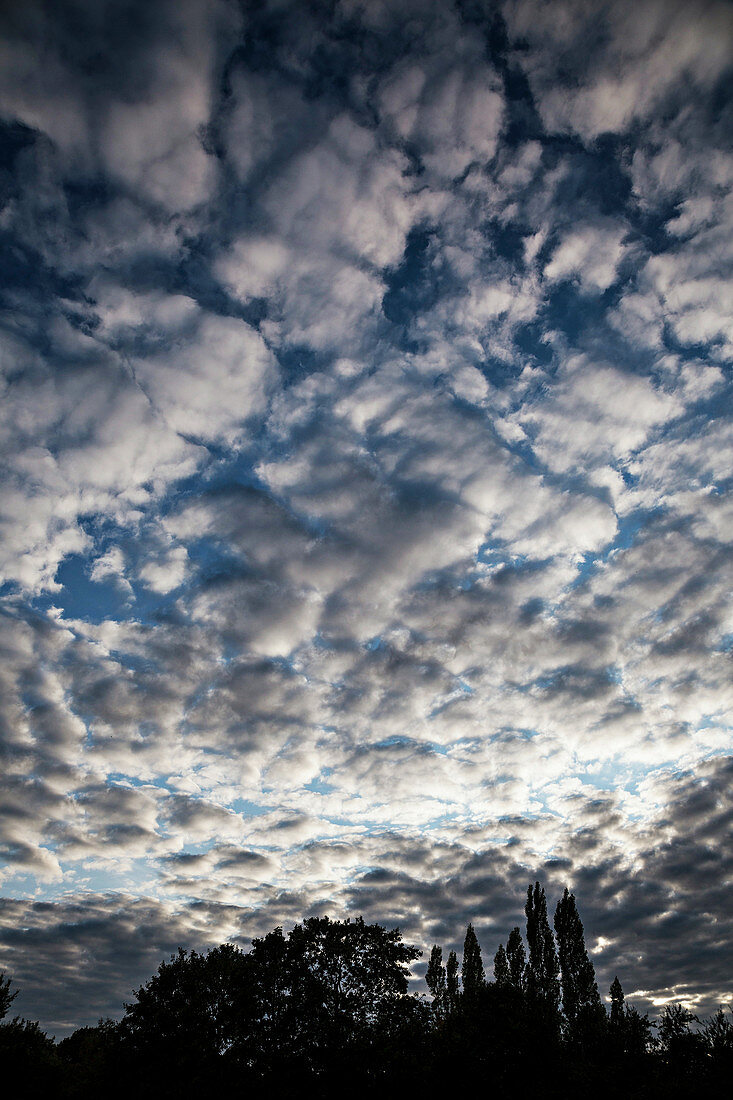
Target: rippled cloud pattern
(365, 509)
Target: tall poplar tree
(579, 989)
(516, 958)
(502, 975)
(472, 971)
(451, 982)
(435, 978)
(617, 1002)
(543, 968)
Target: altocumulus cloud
(366, 380)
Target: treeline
(325, 1011)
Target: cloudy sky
(365, 512)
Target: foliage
(683, 1049)
(543, 969)
(502, 975)
(303, 1004)
(516, 958)
(6, 997)
(92, 1059)
(580, 998)
(451, 979)
(719, 1034)
(191, 1004)
(435, 979)
(27, 1055)
(472, 971)
(718, 1037)
(616, 994)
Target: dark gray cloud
(366, 464)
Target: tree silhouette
(636, 1032)
(542, 968)
(93, 1062)
(326, 1010)
(187, 1015)
(190, 1001)
(617, 1002)
(682, 1048)
(27, 1055)
(472, 970)
(28, 1058)
(355, 966)
(718, 1034)
(435, 979)
(579, 990)
(344, 977)
(502, 975)
(516, 958)
(6, 997)
(305, 1005)
(451, 982)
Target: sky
(365, 513)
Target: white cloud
(210, 382)
(168, 571)
(595, 415)
(598, 70)
(452, 117)
(111, 566)
(144, 132)
(591, 254)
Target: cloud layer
(366, 462)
